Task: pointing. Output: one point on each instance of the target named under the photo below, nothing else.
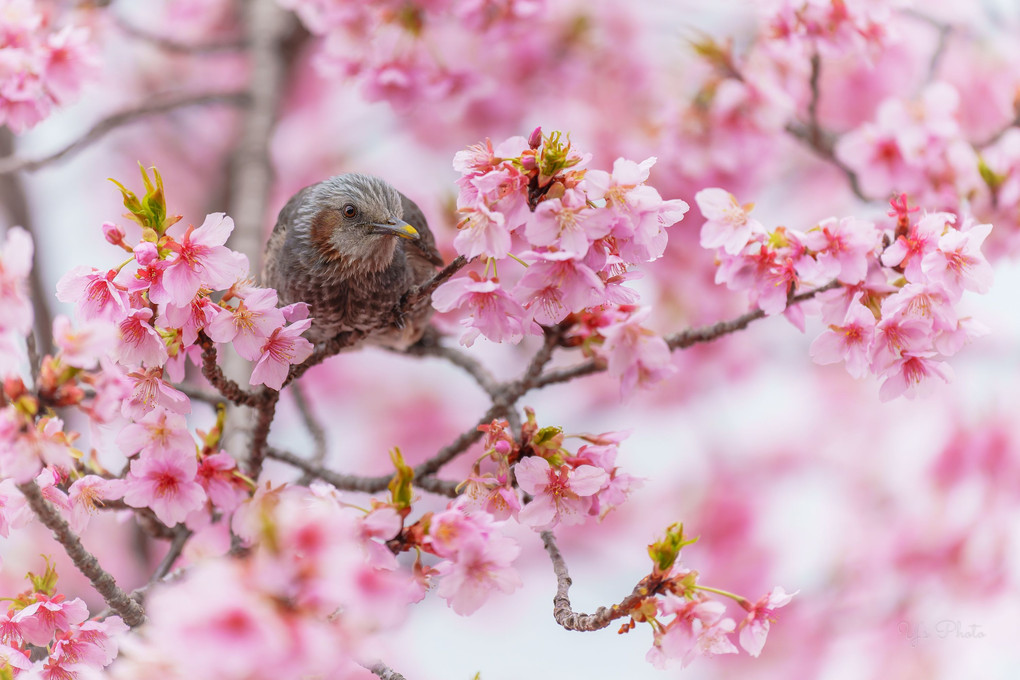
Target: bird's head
(356, 221)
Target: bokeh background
(897, 522)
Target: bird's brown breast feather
(323, 224)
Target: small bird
(351, 246)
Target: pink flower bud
(146, 253)
(502, 447)
(535, 140)
(113, 233)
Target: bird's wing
(426, 245)
(270, 275)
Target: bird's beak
(396, 228)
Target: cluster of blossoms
(577, 232)
(400, 64)
(831, 26)
(566, 487)
(40, 66)
(915, 147)
(304, 602)
(41, 618)
(686, 620)
(159, 302)
(893, 313)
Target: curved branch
(154, 106)
(681, 340)
(86, 562)
(564, 614)
(224, 385)
(171, 45)
(344, 482)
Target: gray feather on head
(347, 241)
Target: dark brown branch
(468, 363)
(344, 482)
(824, 144)
(265, 412)
(224, 385)
(153, 106)
(314, 427)
(176, 46)
(86, 562)
(564, 613)
(681, 340)
(180, 539)
(15, 204)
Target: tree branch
(171, 45)
(224, 385)
(563, 612)
(681, 340)
(86, 562)
(344, 482)
(154, 106)
(384, 671)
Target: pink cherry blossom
(479, 568)
(728, 224)
(149, 390)
(283, 348)
(850, 342)
(842, 249)
(911, 374)
(82, 347)
(15, 264)
(957, 263)
(140, 343)
(94, 294)
(491, 311)
(697, 628)
(483, 232)
(202, 259)
(191, 318)
(164, 482)
(755, 627)
(562, 495)
(908, 251)
(159, 431)
(555, 285)
(40, 620)
(89, 492)
(249, 324)
(566, 222)
(90, 643)
(637, 356)
(218, 476)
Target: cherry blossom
(282, 348)
(563, 495)
(755, 627)
(202, 259)
(164, 482)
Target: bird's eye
(350, 211)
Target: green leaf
(400, 485)
(665, 552)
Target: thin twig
(681, 340)
(15, 204)
(86, 562)
(171, 45)
(471, 366)
(563, 612)
(180, 539)
(384, 671)
(344, 482)
(314, 427)
(153, 106)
